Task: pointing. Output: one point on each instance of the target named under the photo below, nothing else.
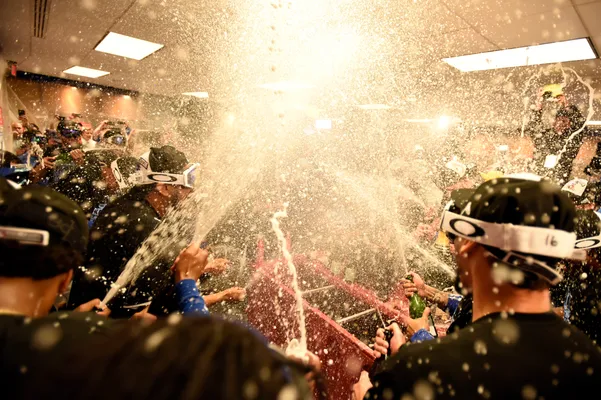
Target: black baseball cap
(500, 215)
(167, 159)
(41, 209)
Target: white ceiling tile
(549, 27)
(16, 29)
(462, 42)
(430, 18)
(591, 15)
(579, 2)
(483, 12)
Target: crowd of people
(76, 204)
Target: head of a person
(43, 237)
(180, 358)
(512, 231)
(568, 119)
(168, 170)
(86, 134)
(17, 128)
(70, 133)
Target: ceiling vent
(41, 9)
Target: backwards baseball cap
(523, 221)
(125, 171)
(39, 218)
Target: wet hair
(36, 262)
(178, 358)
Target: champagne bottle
(417, 305)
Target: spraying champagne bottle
(417, 305)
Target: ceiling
(221, 46)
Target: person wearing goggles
(163, 179)
(510, 238)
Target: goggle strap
(508, 237)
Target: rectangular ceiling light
(570, 50)
(127, 46)
(200, 95)
(87, 72)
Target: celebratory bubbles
(344, 111)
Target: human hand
(103, 125)
(381, 344)
(89, 306)
(417, 285)
(234, 293)
(414, 325)
(144, 316)
(311, 360)
(77, 156)
(217, 266)
(94, 305)
(190, 264)
(360, 388)
(48, 162)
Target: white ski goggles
(589, 242)
(517, 238)
(187, 178)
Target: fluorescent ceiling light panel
(286, 86)
(87, 72)
(374, 107)
(127, 46)
(593, 123)
(200, 95)
(570, 50)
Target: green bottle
(417, 305)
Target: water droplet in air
(423, 390)
(46, 337)
(529, 392)
(506, 331)
(288, 392)
(480, 347)
(250, 390)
